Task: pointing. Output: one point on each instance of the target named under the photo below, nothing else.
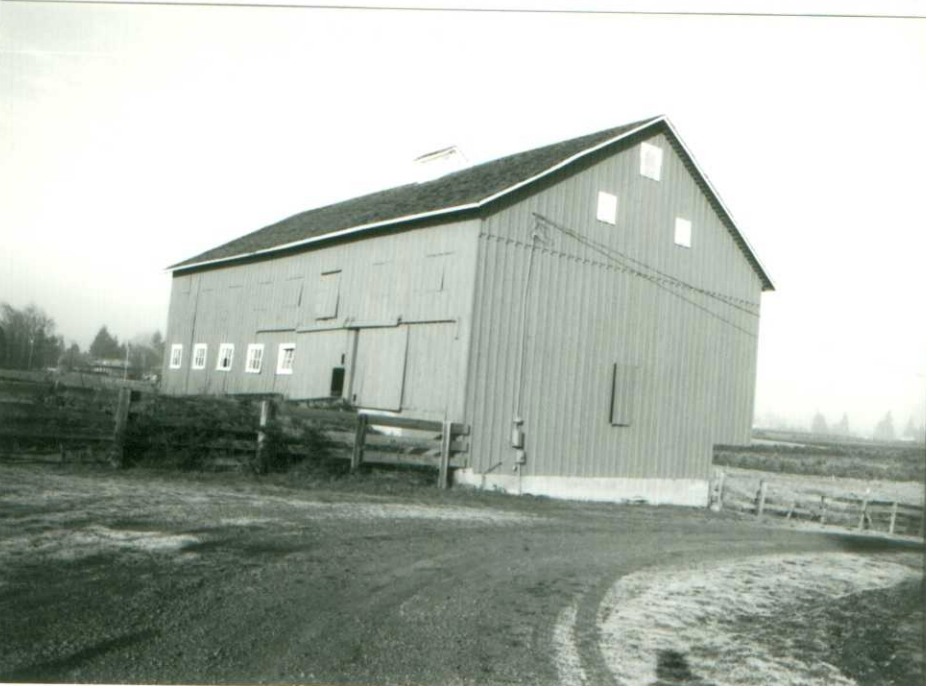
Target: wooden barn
(590, 308)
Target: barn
(590, 308)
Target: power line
(477, 10)
(635, 272)
(720, 297)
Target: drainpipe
(517, 434)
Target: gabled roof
(465, 190)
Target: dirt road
(135, 577)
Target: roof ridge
(466, 189)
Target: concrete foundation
(689, 492)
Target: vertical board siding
(695, 374)
(375, 282)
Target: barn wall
(693, 374)
(329, 301)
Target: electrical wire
(656, 282)
(477, 10)
(725, 299)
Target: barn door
(379, 371)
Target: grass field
(869, 461)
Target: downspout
(517, 435)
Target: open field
(138, 576)
(869, 461)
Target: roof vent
(439, 163)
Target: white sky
(132, 137)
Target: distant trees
(28, 339)
(105, 346)
(819, 424)
(74, 359)
(884, 431)
(841, 428)
(146, 352)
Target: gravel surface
(138, 577)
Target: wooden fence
(860, 513)
(110, 424)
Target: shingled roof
(466, 189)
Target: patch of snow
(698, 615)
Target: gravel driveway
(138, 577)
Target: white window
(199, 355)
(176, 355)
(226, 355)
(682, 232)
(285, 358)
(650, 161)
(607, 207)
(255, 357)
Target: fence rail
(59, 415)
(854, 512)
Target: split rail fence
(59, 419)
(852, 512)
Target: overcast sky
(132, 137)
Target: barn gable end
(612, 312)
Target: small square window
(255, 357)
(200, 351)
(682, 232)
(650, 161)
(226, 355)
(176, 355)
(285, 358)
(607, 207)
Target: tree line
(29, 340)
(883, 431)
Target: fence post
(861, 519)
(266, 417)
(760, 496)
(360, 435)
(444, 469)
(117, 456)
(893, 518)
(720, 483)
(822, 509)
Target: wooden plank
(861, 519)
(266, 417)
(379, 457)
(443, 476)
(334, 416)
(321, 416)
(76, 436)
(17, 412)
(359, 437)
(121, 416)
(411, 423)
(720, 484)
